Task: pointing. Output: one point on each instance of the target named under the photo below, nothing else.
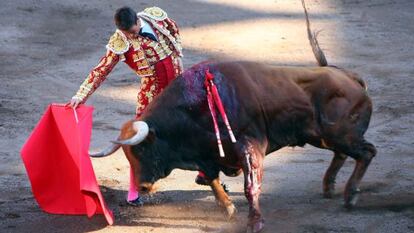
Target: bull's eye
(354, 117)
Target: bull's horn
(142, 130)
(108, 151)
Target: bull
(269, 107)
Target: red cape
(58, 164)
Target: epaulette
(154, 13)
(118, 43)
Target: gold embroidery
(152, 60)
(142, 64)
(141, 54)
(118, 43)
(150, 52)
(138, 56)
(154, 12)
(136, 44)
(145, 72)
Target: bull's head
(141, 142)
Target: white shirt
(145, 27)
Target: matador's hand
(73, 103)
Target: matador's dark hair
(125, 18)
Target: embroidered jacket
(140, 54)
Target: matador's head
(127, 21)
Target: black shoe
(137, 202)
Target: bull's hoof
(328, 192)
(256, 226)
(351, 199)
(230, 211)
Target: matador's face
(134, 30)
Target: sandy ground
(48, 47)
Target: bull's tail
(317, 51)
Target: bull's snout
(147, 188)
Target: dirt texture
(48, 47)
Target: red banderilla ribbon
(214, 101)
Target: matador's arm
(97, 76)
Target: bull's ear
(151, 136)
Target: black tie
(147, 35)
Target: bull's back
(263, 83)
(286, 103)
(271, 103)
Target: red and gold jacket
(140, 54)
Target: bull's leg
(252, 165)
(330, 175)
(222, 198)
(363, 159)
